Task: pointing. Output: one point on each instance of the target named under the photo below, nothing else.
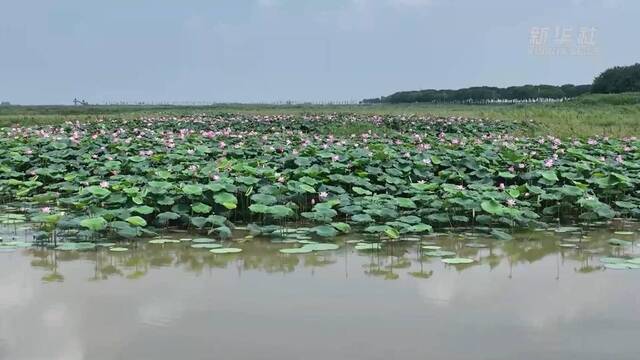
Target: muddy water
(523, 299)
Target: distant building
(5, 103)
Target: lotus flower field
(118, 179)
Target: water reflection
(395, 260)
(523, 299)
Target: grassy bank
(613, 115)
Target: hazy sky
(269, 50)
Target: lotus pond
(251, 236)
(126, 179)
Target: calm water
(523, 299)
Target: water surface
(522, 299)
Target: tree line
(615, 80)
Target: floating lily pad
(624, 233)
(284, 241)
(411, 238)
(635, 261)
(17, 244)
(476, 245)
(164, 241)
(566, 229)
(440, 253)
(206, 246)
(71, 246)
(568, 245)
(618, 242)
(107, 244)
(300, 250)
(621, 266)
(307, 242)
(368, 246)
(456, 261)
(118, 249)
(225, 251)
(203, 240)
(431, 247)
(321, 247)
(612, 260)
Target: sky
(319, 51)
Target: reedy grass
(615, 115)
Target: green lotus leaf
(325, 231)
(167, 216)
(225, 199)
(342, 227)
(259, 208)
(549, 175)
(200, 208)
(360, 191)
(136, 221)
(362, 218)
(492, 207)
(280, 211)
(94, 224)
(144, 210)
(405, 203)
(192, 189)
(501, 235)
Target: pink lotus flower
(46, 209)
(104, 184)
(323, 195)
